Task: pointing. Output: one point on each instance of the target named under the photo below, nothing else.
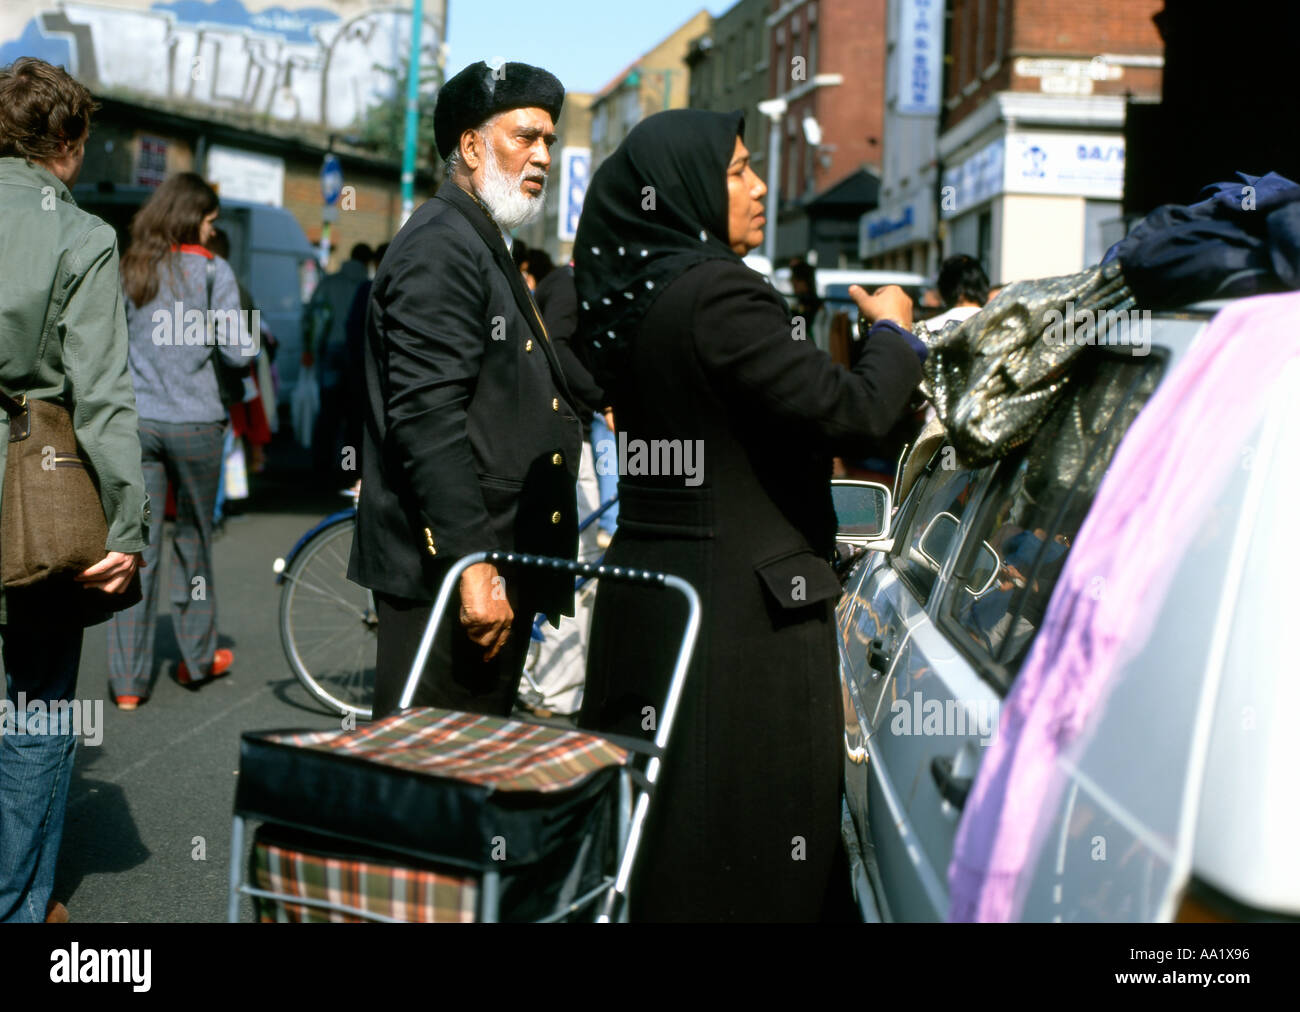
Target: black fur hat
(478, 93)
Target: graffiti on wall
(323, 64)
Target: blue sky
(582, 42)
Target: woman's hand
(113, 572)
(888, 303)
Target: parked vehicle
(269, 253)
(1169, 811)
(840, 278)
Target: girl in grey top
(182, 422)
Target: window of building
(964, 70)
(984, 242)
(1000, 33)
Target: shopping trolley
(437, 815)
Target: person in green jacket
(63, 337)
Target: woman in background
(167, 273)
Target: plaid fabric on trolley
(506, 755)
(384, 890)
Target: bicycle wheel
(328, 624)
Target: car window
(931, 533)
(1037, 507)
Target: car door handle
(876, 656)
(952, 789)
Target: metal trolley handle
(600, 572)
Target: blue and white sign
(331, 179)
(896, 224)
(973, 181)
(919, 57)
(1083, 165)
(575, 174)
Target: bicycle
(328, 624)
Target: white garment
(557, 667)
(958, 313)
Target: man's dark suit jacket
(470, 439)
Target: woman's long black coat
(745, 824)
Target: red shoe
(127, 702)
(221, 662)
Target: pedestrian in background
(64, 339)
(249, 431)
(182, 422)
(356, 363)
(325, 344)
(964, 288)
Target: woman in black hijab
(728, 420)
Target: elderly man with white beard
(471, 441)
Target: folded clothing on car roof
(1241, 238)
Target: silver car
(1180, 805)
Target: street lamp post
(412, 111)
(774, 110)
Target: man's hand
(888, 303)
(609, 419)
(484, 611)
(113, 572)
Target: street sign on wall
(331, 179)
(246, 175)
(575, 174)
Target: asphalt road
(147, 837)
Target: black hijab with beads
(657, 207)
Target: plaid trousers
(189, 455)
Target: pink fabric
(1163, 479)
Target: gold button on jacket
(557, 459)
(555, 517)
(528, 345)
(555, 404)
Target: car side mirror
(863, 511)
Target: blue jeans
(605, 446)
(41, 660)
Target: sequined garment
(993, 377)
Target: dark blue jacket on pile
(1240, 238)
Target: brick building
(659, 79)
(141, 143)
(1031, 132)
(729, 70)
(828, 65)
